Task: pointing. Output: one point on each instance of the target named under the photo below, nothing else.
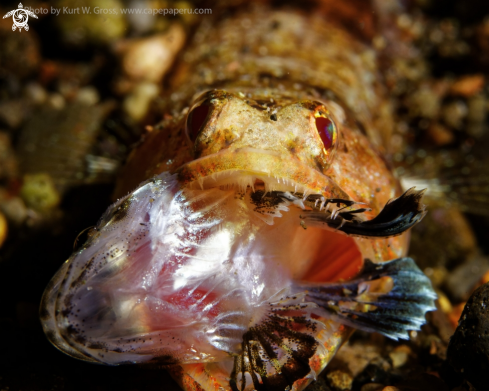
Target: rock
(339, 380)
(462, 280)
(13, 208)
(318, 385)
(3, 229)
(425, 102)
(454, 113)
(374, 373)
(98, 27)
(440, 134)
(441, 318)
(468, 350)
(88, 96)
(39, 192)
(137, 104)
(476, 118)
(468, 85)
(354, 356)
(35, 93)
(400, 355)
(13, 112)
(150, 58)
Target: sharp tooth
(343, 221)
(323, 201)
(333, 215)
(201, 183)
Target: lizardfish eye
(326, 129)
(196, 119)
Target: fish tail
(389, 298)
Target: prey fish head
(228, 270)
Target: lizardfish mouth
(165, 275)
(246, 166)
(286, 179)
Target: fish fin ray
(389, 298)
(276, 351)
(397, 216)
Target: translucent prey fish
(262, 223)
(174, 275)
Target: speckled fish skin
(226, 262)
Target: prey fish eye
(254, 232)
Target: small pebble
(3, 229)
(13, 208)
(340, 380)
(56, 101)
(477, 106)
(13, 112)
(88, 96)
(440, 134)
(425, 103)
(400, 356)
(468, 85)
(80, 29)
(39, 192)
(137, 104)
(454, 114)
(35, 93)
(150, 58)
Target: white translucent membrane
(169, 275)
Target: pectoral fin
(397, 216)
(389, 298)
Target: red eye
(196, 120)
(327, 131)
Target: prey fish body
(261, 223)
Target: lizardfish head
(283, 143)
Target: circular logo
(20, 18)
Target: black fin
(398, 215)
(389, 298)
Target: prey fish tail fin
(389, 298)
